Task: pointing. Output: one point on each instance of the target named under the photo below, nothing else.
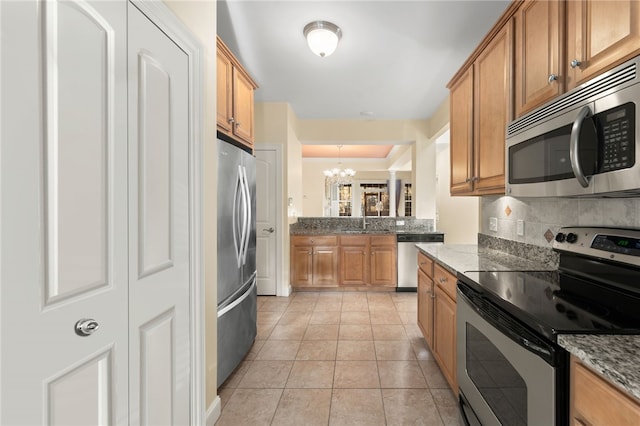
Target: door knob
(270, 230)
(86, 327)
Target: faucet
(364, 219)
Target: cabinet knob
(552, 78)
(443, 279)
(237, 124)
(231, 120)
(575, 63)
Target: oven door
(504, 373)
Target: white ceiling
(394, 60)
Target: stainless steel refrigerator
(237, 294)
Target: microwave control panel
(618, 133)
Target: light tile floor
(333, 358)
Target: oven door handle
(574, 146)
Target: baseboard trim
(406, 289)
(214, 411)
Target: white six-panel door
(266, 221)
(94, 217)
(158, 226)
(64, 213)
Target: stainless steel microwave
(582, 144)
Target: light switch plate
(520, 227)
(493, 224)
(400, 222)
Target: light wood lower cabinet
(437, 314)
(384, 261)
(354, 260)
(344, 260)
(425, 306)
(595, 401)
(314, 261)
(368, 260)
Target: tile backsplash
(542, 217)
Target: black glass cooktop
(552, 302)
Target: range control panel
(621, 245)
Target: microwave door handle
(574, 146)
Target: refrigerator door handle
(235, 216)
(238, 301)
(248, 215)
(245, 213)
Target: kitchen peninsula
(347, 254)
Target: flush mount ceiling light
(338, 175)
(322, 37)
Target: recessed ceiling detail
(347, 151)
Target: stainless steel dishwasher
(408, 257)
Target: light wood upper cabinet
(595, 401)
(600, 35)
(243, 88)
(493, 110)
(224, 110)
(461, 134)
(539, 53)
(481, 103)
(235, 97)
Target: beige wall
(275, 123)
(200, 18)
(457, 217)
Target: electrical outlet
(493, 224)
(520, 227)
(399, 222)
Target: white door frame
(166, 20)
(282, 289)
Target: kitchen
(523, 225)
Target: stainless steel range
(510, 367)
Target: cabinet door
(600, 35)
(301, 265)
(539, 42)
(384, 266)
(224, 79)
(588, 393)
(444, 335)
(243, 107)
(325, 266)
(492, 111)
(425, 306)
(354, 265)
(461, 134)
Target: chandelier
(338, 175)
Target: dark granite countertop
(470, 257)
(615, 357)
(326, 231)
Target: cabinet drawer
(383, 240)
(445, 280)
(314, 240)
(426, 264)
(354, 240)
